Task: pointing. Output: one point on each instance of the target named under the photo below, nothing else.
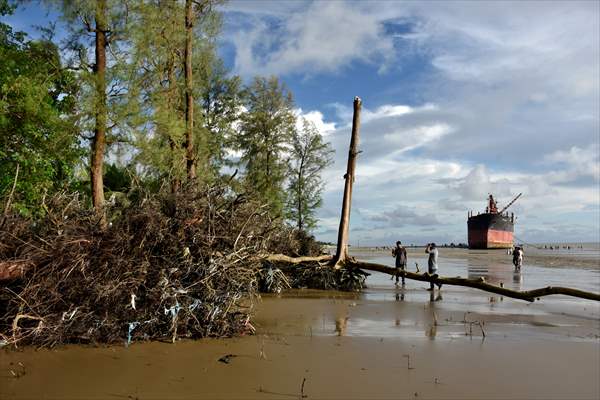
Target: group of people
(399, 253)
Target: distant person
(518, 258)
(399, 252)
(432, 250)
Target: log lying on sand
(529, 295)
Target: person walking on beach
(399, 252)
(432, 250)
(518, 258)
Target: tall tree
(38, 134)
(99, 140)
(309, 156)
(196, 11)
(189, 95)
(266, 131)
(157, 39)
(159, 43)
(105, 21)
(219, 99)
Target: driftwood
(529, 295)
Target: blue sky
(460, 99)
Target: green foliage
(157, 89)
(220, 98)
(117, 178)
(266, 130)
(309, 157)
(37, 127)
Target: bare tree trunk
(189, 96)
(342, 245)
(172, 95)
(99, 141)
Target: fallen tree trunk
(529, 295)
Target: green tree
(100, 25)
(160, 58)
(37, 130)
(157, 37)
(220, 99)
(265, 133)
(309, 157)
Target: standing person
(400, 253)
(432, 250)
(518, 258)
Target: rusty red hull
(490, 231)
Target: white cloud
(321, 37)
(413, 138)
(316, 117)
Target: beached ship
(493, 229)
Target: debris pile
(277, 277)
(165, 267)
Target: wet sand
(386, 342)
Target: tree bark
(172, 102)
(342, 245)
(99, 141)
(189, 96)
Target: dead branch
(296, 260)
(529, 295)
(10, 197)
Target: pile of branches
(164, 267)
(276, 277)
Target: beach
(385, 342)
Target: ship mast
(492, 208)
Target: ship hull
(490, 231)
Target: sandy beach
(387, 342)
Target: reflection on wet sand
(431, 332)
(341, 325)
(496, 274)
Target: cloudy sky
(460, 99)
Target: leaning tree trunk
(342, 244)
(99, 141)
(189, 96)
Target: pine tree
(157, 38)
(309, 157)
(266, 130)
(103, 85)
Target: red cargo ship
(492, 230)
